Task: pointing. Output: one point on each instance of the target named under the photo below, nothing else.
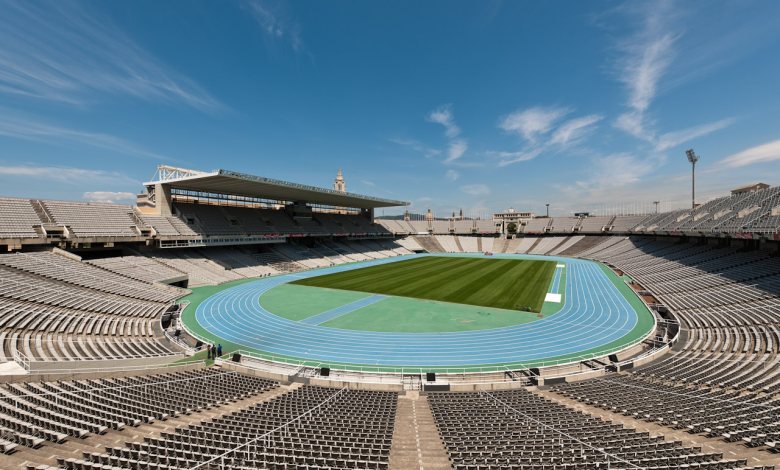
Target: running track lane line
(328, 315)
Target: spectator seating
(34, 412)
(94, 219)
(17, 218)
(518, 429)
(310, 427)
(138, 267)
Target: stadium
(352, 341)
(408, 235)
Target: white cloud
(575, 129)
(443, 115)
(475, 189)
(673, 139)
(109, 196)
(633, 123)
(275, 23)
(456, 150)
(508, 158)
(646, 56)
(537, 122)
(451, 175)
(65, 174)
(648, 60)
(621, 169)
(22, 127)
(532, 122)
(81, 54)
(456, 146)
(767, 152)
(415, 145)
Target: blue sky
(447, 104)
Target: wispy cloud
(417, 146)
(63, 51)
(574, 130)
(542, 130)
(276, 22)
(109, 196)
(22, 127)
(457, 146)
(767, 152)
(508, 158)
(645, 57)
(451, 175)
(456, 150)
(673, 139)
(443, 115)
(475, 189)
(620, 169)
(74, 176)
(532, 122)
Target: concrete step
(416, 441)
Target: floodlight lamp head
(692, 157)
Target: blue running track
(594, 314)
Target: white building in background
(512, 216)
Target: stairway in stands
(582, 245)
(430, 244)
(500, 245)
(416, 441)
(457, 243)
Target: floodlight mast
(693, 158)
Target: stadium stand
(715, 268)
(469, 244)
(485, 226)
(537, 226)
(518, 429)
(626, 223)
(448, 243)
(340, 428)
(545, 244)
(728, 302)
(92, 219)
(463, 226)
(595, 224)
(565, 224)
(34, 412)
(429, 244)
(440, 227)
(18, 218)
(566, 244)
(138, 267)
(488, 244)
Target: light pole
(693, 158)
(548, 210)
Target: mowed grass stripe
(392, 278)
(501, 283)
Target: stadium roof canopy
(241, 184)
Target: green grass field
(514, 284)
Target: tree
(511, 227)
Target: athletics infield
(292, 318)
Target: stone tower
(339, 184)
